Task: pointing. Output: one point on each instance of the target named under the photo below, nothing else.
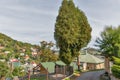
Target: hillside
(7, 44)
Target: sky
(33, 21)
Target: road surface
(93, 75)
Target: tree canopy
(46, 54)
(109, 42)
(72, 31)
(14, 46)
(4, 69)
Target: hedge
(116, 71)
(116, 61)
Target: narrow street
(93, 75)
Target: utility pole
(28, 74)
(47, 74)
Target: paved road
(94, 75)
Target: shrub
(116, 60)
(18, 71)
(116, 71)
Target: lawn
(40, 78)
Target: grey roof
(88, 58)
(90, 51)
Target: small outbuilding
(44, 68)
(57, 67)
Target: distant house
(6, 52)
(34, 64)
(28, 67)
(14, 60)
(26, 57)
(91, 62)
(92, 51)
(34, 52)
(16, 64)
(1, 46)
(22, 54)
(2, 60)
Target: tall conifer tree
(72, 31)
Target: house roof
(16, 64)
(49, 65)
(88, 58)
(60, 63)
(90, 51)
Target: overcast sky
(33, 20)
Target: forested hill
(13, 46)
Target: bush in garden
(116, 71)
(116, 61)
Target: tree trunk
(78, 63)
(107, 64)
(69, 70)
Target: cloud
(25, 22)
(106, 11)
(100, 13)
(34, 20)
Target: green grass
(66, 78)
(91, 70)
(40, 78)
(77, 72)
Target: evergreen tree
(109, 44)
(72, 31)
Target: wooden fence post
(47, 74)
(28, 74)
(56, 71)
(64, 71)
